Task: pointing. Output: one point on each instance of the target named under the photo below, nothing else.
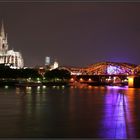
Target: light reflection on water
(114, 118)
(85, 111)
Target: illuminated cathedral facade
(9, 57)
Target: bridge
(100, 79)
(105, 68)
(104, 73)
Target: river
(70, 112)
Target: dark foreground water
(97, 112)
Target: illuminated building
(55, 65)
(9, 57)
(50, 66)
(47, 61)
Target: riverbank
(24, 83)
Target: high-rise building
(47, 61)
(9, 57)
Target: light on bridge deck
(81, 80)
(89, 80)
(72, 80)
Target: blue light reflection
(117, 114)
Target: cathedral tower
(3, 41)
(9, 57)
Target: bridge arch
(110, 68)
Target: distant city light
(72, 80)
(89, 80)
(6, 87)
(44, 87)
(38, 87)
(81, 80)
(28, 89)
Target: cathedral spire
(2, 30)
(6, 37)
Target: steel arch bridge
(105, 68)
(110, 68)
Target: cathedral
(9, 57)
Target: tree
(56, 74)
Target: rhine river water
(70, 112)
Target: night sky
(75, 34)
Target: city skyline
(76, 34)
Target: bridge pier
(134, 82)
(131, 81)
